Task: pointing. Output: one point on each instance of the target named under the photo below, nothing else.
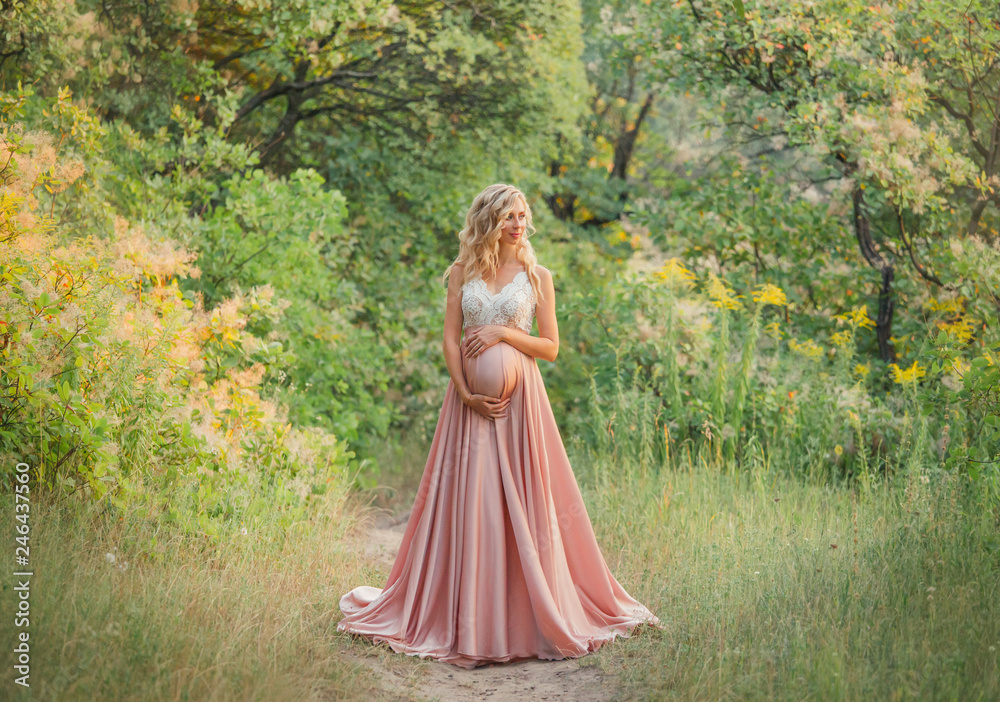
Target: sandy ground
(522, 681)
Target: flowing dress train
(499, 561)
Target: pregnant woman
(499, 561)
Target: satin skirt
(499, 561)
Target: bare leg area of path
(523, 681)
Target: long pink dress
(499, 561)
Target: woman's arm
(453, 334)
(544, 346)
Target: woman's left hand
(481, 338)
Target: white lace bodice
(513, 306)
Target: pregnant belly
(496, 372)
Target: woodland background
(774, 234)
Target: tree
(845, 83)
(591, 175)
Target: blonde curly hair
(479, 240)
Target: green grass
(249, 617)
(741, 569)
(775, 589)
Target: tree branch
(924, 273)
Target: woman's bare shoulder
(543, 272)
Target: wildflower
(123, 566)
(722, 297)
(839, 450)
(953, 306)
(243, 531)
(857, 317)
(961, 330)
(910, 375)
(773, 330)
(109, 557)
(770, 295)
(841, 338)
(924, 479)
(675, 275)
(863, 369)
(807, 348)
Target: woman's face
(514, 224)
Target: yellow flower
(910, 375)
(674, 274)
(807, 348)
(770, 295)
(961, 329)
(720, 294)
(857, 317)
(841, 338)
(838, 449)
(863, 369)
(953, 306)
(773, 330)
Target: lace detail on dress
(513, 306)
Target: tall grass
(771, 584)
(780, 589)
(245, 617)
(774, 584)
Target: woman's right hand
(489, 407)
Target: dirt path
(523, 681)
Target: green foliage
(824, 75)
(591, 182)
(975, 368)
(265, 70)
(316, 158)
(686, 363)
(402, 107)
(839, 158)
(113, 382)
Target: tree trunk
(886, 302)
